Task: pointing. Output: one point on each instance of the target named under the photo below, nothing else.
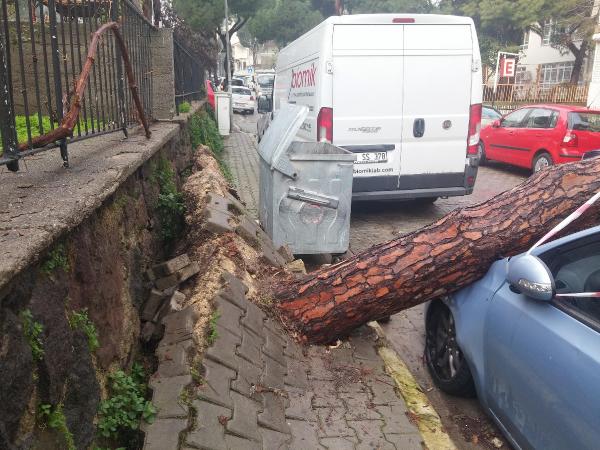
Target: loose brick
(296, 374)
(229, 315)
(274, 374)
(224, 348)
(166, 396)
(304, 436)
(274, 346)
(163, 434)
(238, 443)
(167, 282)
(248, 376)
(153, 304)
(173, 265)
(254, 318)
(300, 405)
(175, 303)
(245, 412)
(217, 221)
(217, 381)
(234, 290)
(188, 271)
(332, 423)
(274, 439)
(250, 346)
(273, 415)
(209, 432)
(179, 325)
(172, 359)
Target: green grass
(34, 123)
(184, 107)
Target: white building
(541, 63)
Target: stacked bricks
(164, 297)
(227, 214)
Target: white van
(402, 92)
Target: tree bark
(438, 259)
(580, 54)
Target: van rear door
(437, 97)
(368, 74)
(401, 100)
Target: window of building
(521, 75)
(525, 44)
(556, 73)
(547, 33)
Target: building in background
(540, 63)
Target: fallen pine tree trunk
(437, 259)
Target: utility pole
(228, 71)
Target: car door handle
(538, 134)
(419, 128)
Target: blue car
(530, 352)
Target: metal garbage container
(305, 190)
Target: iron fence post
(7, 124)
(57, 75)
(120, 81)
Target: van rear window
(584, 121)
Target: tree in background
(501, 23)
(283, 21)
(202, 44)
(570, 24)
(206, 16)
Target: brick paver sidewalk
(242, 158)
(274, 394)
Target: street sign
(507, 67)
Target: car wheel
(541, 161)
(482, 158)
(445, 360)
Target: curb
(422, 412)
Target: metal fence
(43, 48)
(511, 96)
(189, 75)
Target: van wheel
(482, 158)
(541, 162)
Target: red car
(539, 136)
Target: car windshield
(584, 121)
(265, 80)
(241, 91)
(490, 113)
(237, 82)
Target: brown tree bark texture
(439, 258)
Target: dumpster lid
(279, 135)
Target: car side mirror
(529, 275)
(264, 104)
(496, 123)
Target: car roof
(562, 107)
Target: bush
(126, 406)
(184, 107)
(203, 130)
(170, 206)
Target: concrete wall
(102, 216)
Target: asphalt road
(375, 222)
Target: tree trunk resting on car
(439, 258)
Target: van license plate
(371, 157)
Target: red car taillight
(474, 129)
(570, 140)
(325, 125)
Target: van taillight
(325, 125)
(474, 128)
(570, 140)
